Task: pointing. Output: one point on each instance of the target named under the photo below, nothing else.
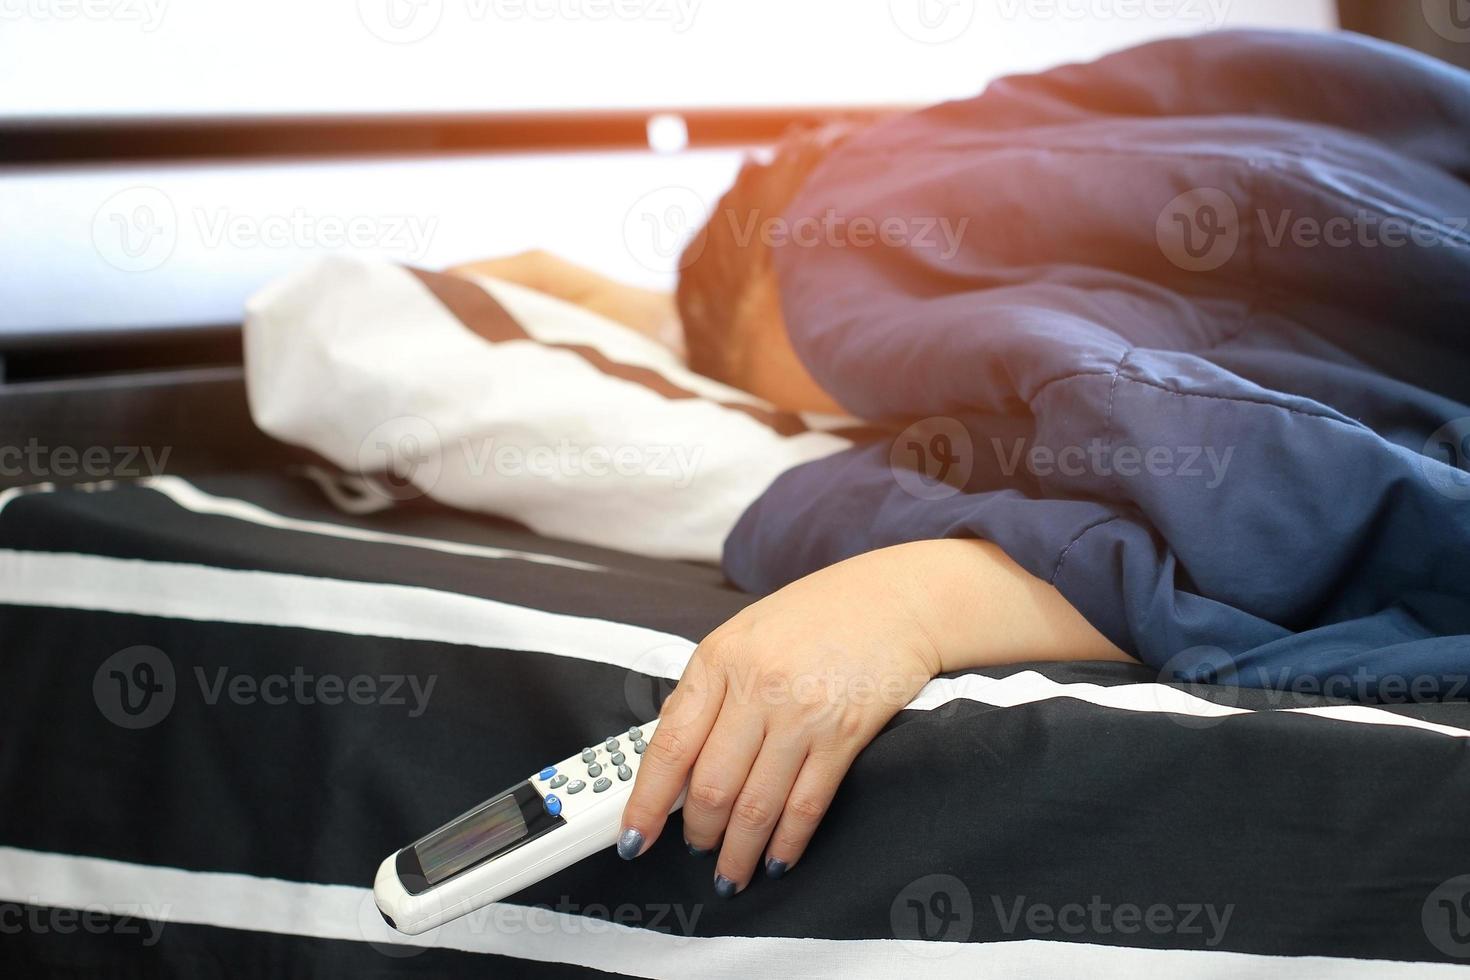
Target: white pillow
(491, 397)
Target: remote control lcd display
(482, 833)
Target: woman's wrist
(975, 607)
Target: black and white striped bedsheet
(1042, 821)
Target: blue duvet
(1199, 356)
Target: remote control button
(624, 773)
(611, 745)
(553, 805)
(594, 770)
(639, 746)
(576, 786)
(588, 755)
(635, 733)
(601, 785)
(617, 758)
(546, 773)
(558, 782)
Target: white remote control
(559, 816)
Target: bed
(228, 696)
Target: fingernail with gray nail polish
(724, 887)
(775, 868)
(699, 852)
(630, 842)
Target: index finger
(683, 725)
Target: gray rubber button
(611, 745)
(635, 733)
(624, 773)
(639, 746)
(617, 758)
(601, 785)
(594, 770)
(576, 786)
(588, 755)
(558, 782)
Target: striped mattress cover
(224, 701)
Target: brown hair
(727, 260)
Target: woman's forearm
(776, 704)
(979, 608)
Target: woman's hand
(776, 703)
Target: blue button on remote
(546, 773)
(553, 805)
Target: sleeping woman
(776, 703)
(1271, 259)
